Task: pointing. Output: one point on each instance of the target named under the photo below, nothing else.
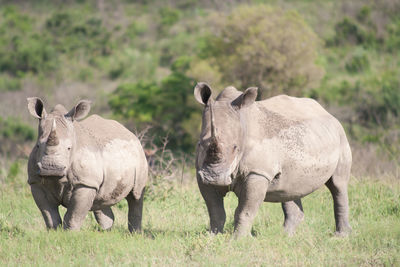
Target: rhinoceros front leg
(251, 194)
(293, 211)
(214, 199)
(104, 217)
(47, 206)
(80, 204)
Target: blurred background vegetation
(138, 61)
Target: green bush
(135, 29)
(392, 42)
(165, 106)
(85, 74)
(364, 14)
(71, 33)
(12, 19)
(15, 169)
(22, 49)
(9, 83)
(358, 62)
(13, 135)
(138, 101)
(375, 100)
(130, 63)
(180, 45)
(349, 32)
(266, 47)
(14, 129)
(169, 16)
(379, 101)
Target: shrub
(131, 63)
(14, 135)
(348, 32)
(136, 101)
(266, 47)
(70, 34)
(364, 14)
(393, 40)
(85, 74)
(21, 48)
(9, 83)
(135, 29)
(379, 101)
(165, 106)
(12, 128)
(375, 100)
(358, 62)
(169, 16)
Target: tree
(166, 106)
(266, 47)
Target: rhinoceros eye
(234, 147)
(69, 148)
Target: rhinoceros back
(294, 143)
(110, 159)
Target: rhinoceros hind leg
(340, 204)
(293, 211)
(337, 184)
(135, 212)
(104, 217)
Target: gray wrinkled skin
(86, 165)
(276, 150)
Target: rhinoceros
(276, 150)
(84, 165)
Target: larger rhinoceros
(276, 150)
(84, 165)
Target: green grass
(175, 232)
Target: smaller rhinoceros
(276, 150)
(86, 165)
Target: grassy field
(175, 232)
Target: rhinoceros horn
(53, 139)
(213, 129)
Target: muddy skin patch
(273, 122)
(213, 154)
(118, 190)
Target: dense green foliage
(175, 231)
(150, 54)
(12, 132)
(166, 106)
(21, 48)
(266, 47)
(12, 128)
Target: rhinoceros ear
(202, 93)
(80, 110)
(36, 107)
(246, 99)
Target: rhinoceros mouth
(218, 174)
(209, 176)
(50, 170)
